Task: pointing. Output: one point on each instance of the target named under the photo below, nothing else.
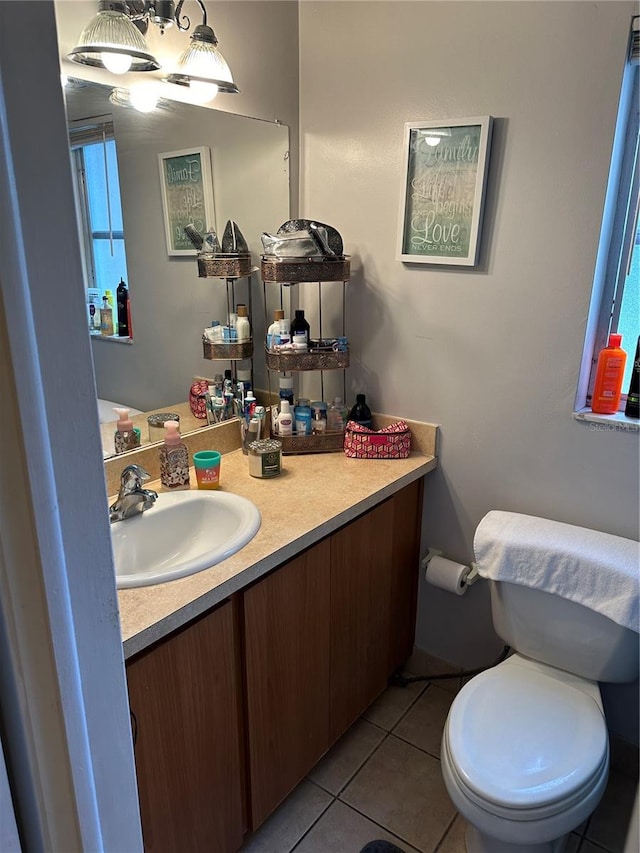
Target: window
(99, 208)
(616, 293)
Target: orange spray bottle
(609, 376)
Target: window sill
(114, 339)
(607, 423)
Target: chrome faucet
(132, 498)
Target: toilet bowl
(525, 749)
(525, 756)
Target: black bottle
(122, 302)
(632, 409)
(361, 413)
(299, 326)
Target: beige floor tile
(423, 724)
(290, 821)
(453, 842)
(348, 755)
(401, 788)
(609, 822)
(343, 830)
(393, 703)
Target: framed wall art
(445, 170)
(187, 196)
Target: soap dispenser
(174, 458)
(126, 437)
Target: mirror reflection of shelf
(227, 352)
(221, 266)
(233, 350)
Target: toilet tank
(563, 633)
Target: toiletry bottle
(112, 305)
(361, 413)
(243, 377)
(122, 299)
(243, 329)
(106, 318)
(125, 437)
(337, 416)
(252, 434)
(299, 326)
(632, 408)
(285, 333)
(318, 423)
(273, 332)
(285, 419)
(285, 382)
(609, 375)
(302, 417)
(228, 395)
(249, 406)
(174, 458)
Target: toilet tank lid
(595, 569)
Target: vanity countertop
(314, 496)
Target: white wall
(492, 353)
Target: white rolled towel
(596, 569)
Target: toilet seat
(524, 744)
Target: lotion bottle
(285, 419)
(125, 437)
(243, 328)
(174, 459)
(609, 375)
(273, 332)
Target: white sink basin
(183, 533)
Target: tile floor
(382, 780)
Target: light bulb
(143, 98)
(202, 92)
(116, 63)
(432, 141)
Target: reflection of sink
(184, 532)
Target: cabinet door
(287, 670)
(185, 696)
(361, 568)
(407, 524)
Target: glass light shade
(110, 40)
(143, 98)
(202, 62)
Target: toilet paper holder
(471, 578)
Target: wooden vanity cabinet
(322, 634)
(287, 676)
(185, 696)
(360, 588)
(233, 710)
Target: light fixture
(202, 67)
(111, 40)
(114, 39)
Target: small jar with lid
(156, 424)
(265, 458)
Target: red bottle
(609, 376)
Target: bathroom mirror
(170, 304)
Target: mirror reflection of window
(97, 188)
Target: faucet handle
(131, 478)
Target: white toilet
(525, 750)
